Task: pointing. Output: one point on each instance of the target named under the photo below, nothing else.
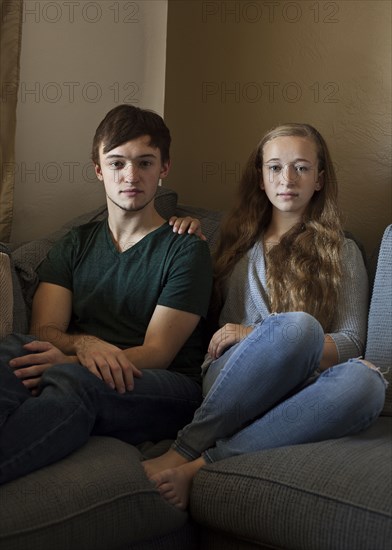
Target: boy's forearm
(148, 357)
(67, 343)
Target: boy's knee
(11, 346)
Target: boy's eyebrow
(115, 156)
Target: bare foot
(170, 459)
(174, 484)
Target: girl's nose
(289, 173)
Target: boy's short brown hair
(127, 122)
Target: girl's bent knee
(376, 369)
(367, 380)
(298, 328)
(370, 373)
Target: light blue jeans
(264, 392)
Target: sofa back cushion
(379, 337)
(13, 313)
(6, 296)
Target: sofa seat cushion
(333, 494)
(98, 498)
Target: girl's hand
(187, 225)
(227, 336)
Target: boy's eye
(122, 164)
(145, 163)
(116, 164)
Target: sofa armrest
(379, 336)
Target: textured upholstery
(6, 296)
(15, 296)
(186, 538)
(96, 499)
(379, 338)
(210, 221)
(333, 495)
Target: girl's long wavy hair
(304, 269)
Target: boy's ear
(165, 169)
(98, 172)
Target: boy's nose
(131, 172)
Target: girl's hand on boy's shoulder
(187, 225)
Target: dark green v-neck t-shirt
(115, 293)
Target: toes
(156, 479)
(176, 501)
(166, 488)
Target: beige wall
(79, 59)
(236, 68)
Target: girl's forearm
(330, 353)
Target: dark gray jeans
(73, 404)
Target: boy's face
(131, 172)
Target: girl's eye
(274, 167)
(302, 169)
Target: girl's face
(290, 173)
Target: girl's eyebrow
(272, 160)
(295, 160)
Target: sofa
(332, 495)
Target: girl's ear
(98, 172)
(320, 181)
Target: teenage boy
(116, 316)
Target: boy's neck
(128, 228)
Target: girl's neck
(278, 226)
